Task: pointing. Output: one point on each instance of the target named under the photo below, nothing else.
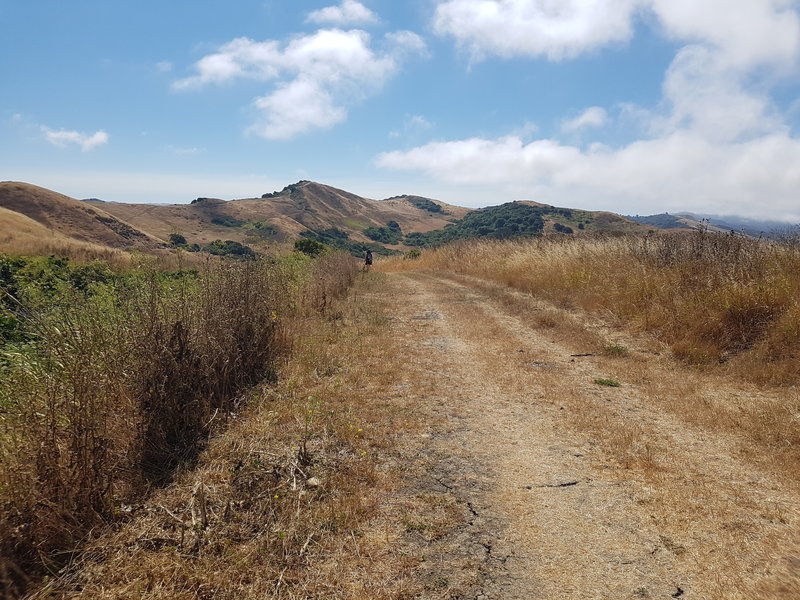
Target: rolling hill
(66, 218)
(303, 209)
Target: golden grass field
(603, 417)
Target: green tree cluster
(501, 222)
(391, 234)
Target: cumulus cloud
(751, 33)
(315, 77)
(349, 12)
(591, 117)
(717, 138)
(679, 171)
(296, 107)
(555, 29)
(64, 138)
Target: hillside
(69, 218)
(752, 227)
(525, 219)
(19, 234)
(305, 207)
(681, 221)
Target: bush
(310, 247)
(118, 379)
(229, 248)
(176, 239)
(391, 234)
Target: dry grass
(728, 306)
(121, 388)
(705, 458)
(281, 503)
(22, 236)
(713, 298)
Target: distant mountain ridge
(687, 220)
(752, 227)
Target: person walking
(368, 259)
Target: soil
(530, 480)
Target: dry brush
(115, 390)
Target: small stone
(313, 482)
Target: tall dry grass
(119, 388)
(283, 503)
(713, 298)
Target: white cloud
(556, 29)
(64, 138)
(716, 140)
(418, 122)
(349, 12)
(591, 117)
(296, 107)
(406, 42)
(677, 172)
(316, 77)
(164, 66)
(751, 33)
(748, 33)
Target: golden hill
(284, 215)
(46, 220)
(63, 217)
(19, 234)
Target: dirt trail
(563, 488)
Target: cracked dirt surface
(532, 481)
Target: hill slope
(303, 209)
(71, 218)
(299, 208)
(525, 219)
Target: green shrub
(176, 239)
(310, 247)
(229, 248)
(391, 234)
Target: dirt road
(534, 481)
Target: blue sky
(636, 106)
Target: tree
(310, 247)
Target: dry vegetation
(22, 236)
(114, 390)
(727, 306)
(279, 504)
(715, 299)
(678, 478)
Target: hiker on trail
(368, 259)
